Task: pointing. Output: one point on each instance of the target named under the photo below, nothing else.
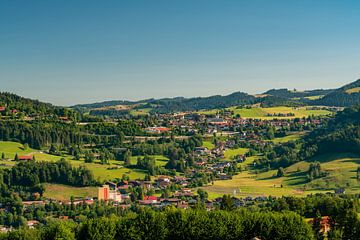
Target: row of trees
(177, 224)
(32, 173)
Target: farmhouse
(157, 130)
(25, 158)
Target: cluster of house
(3, 109)
(182, 198)
(157, 130)
(225, 123)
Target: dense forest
(177, 224)
(32, 173)
(14, 103)
(102, 221)
(341, 97)
(286, 93)
(341, 134)
(26, 178)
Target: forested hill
(167, 105)
(341, 134)
(286, 93)
(345, 96)
(212, 102)
(13, 104)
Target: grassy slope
(353, 90)
(342, 173)
(208, 145)
(342, 168)
(140, 111)
(261, 113)
(230, 153)
(63, 192)
(290, 137)
(101, 172)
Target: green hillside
(340, 167)
(345, 96)
(115, 169)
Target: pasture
(271, 112)
(102, 172)
(231, 153)
(288, 138)
(64, 193)
(341, 169)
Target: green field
(231, 153)
(101, 172)
(140, 111)
(314, 97)
(63, 192)
(288, 138)
(341, 168)
(262, 113)
(209, 145)
(159, 159)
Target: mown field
(341, 168)
(353, 90)
(263, 113)
(63, 192)
(140, 111)
(208, 145)
(290, 137)
(231, 153)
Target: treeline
(341, 211)
(286, 93)
(32, 173)
(177, 224)
(273, 101)
(340, 97)
(39, 134)
(33, 107)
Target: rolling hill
(345, 96)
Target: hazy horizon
(68, 52)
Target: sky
(82, 51)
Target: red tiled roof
(152, 198)
(25, 157)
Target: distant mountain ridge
(345, 96)
(286, 93)
(273, 97)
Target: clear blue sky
(73, 51)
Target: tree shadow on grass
(296, 178)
